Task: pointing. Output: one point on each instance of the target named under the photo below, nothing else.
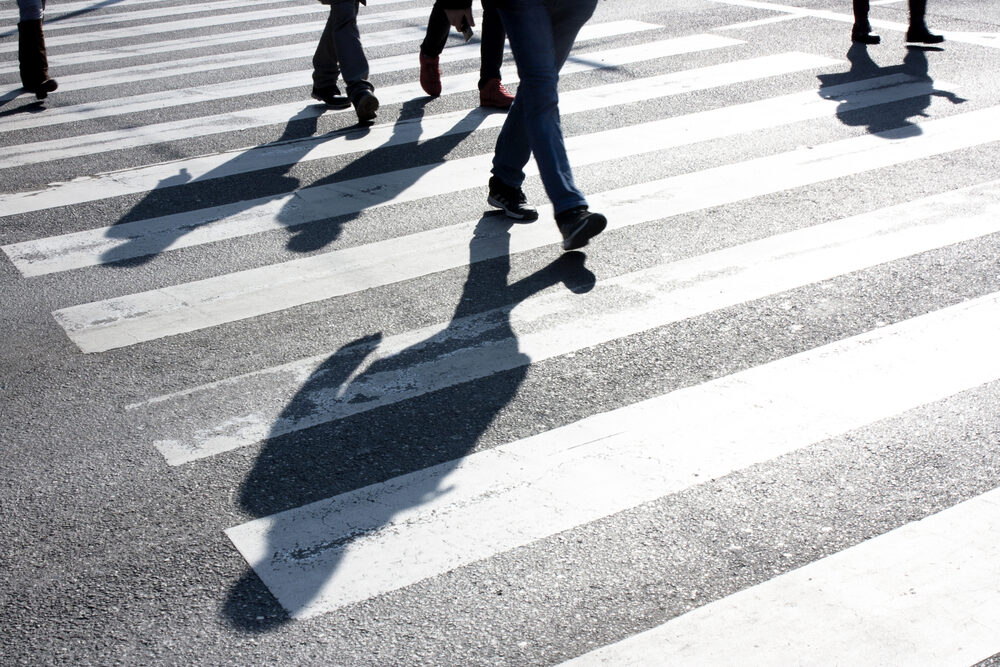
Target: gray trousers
(339, 51)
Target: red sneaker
(430, 75)
(493, 94)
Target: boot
(918, 32)
(862, 30)
(32, 59)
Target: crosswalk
(665, 126)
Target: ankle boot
(918, 32)
(32, 59)
(862, 30)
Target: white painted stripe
(215, 21)
(63, 11)
(90, 19)
(145, 135)
(285, 80)
(240, 411)
(63, 8)
(124, 321)
(216, 61)
(990, 39)
(384, 537)
(878, 603)
(192, 43)
(46, 255)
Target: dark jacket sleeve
(454, 4)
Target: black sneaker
(331, 97)
(366, 104)
(512, 200)
(578, 225)
(921, 35)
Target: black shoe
(512, 200)
(331, 97)
(921, 35)
(861, 35)
(578, 225)
(366, 104)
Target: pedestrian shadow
(179, 193)
(438, 428)
(243, 187)
(310, 235)
(894, 115)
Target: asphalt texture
(109, 556)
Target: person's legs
(491, 46)
(917, 31)
(326, 67)
(491, 90)
(33, 62)
(541, 35)
(862, 30)
(339, 52)
(438, 28)
(436, 36)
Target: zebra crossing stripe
(123, 321)
(243, 410)
(65, 8)
(216, 61)
(243, 119)
(221, 165)
(100, 19)
(878, 603)
(383, 537)
(227, 20)
(267, 84)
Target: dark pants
(918, 8)
(490, 46)
(339, 51)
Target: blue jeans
(541, 34)
(339, 51)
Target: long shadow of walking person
(152, 213)
(420, 410)
(892, 115)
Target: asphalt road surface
(279, 389)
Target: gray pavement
(850, 203)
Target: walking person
(491, 91)
(32, 58)
(916, 33)
(339, 53)
(541, 35)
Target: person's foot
(430, 75)
(864, 35)
(331, 97)
(921, 35)
(512, 200)
(43, 89)
(493, 94)
(578, 225)
(366, 105)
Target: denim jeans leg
(339, 49)
(541, 34)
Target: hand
(455, 17)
